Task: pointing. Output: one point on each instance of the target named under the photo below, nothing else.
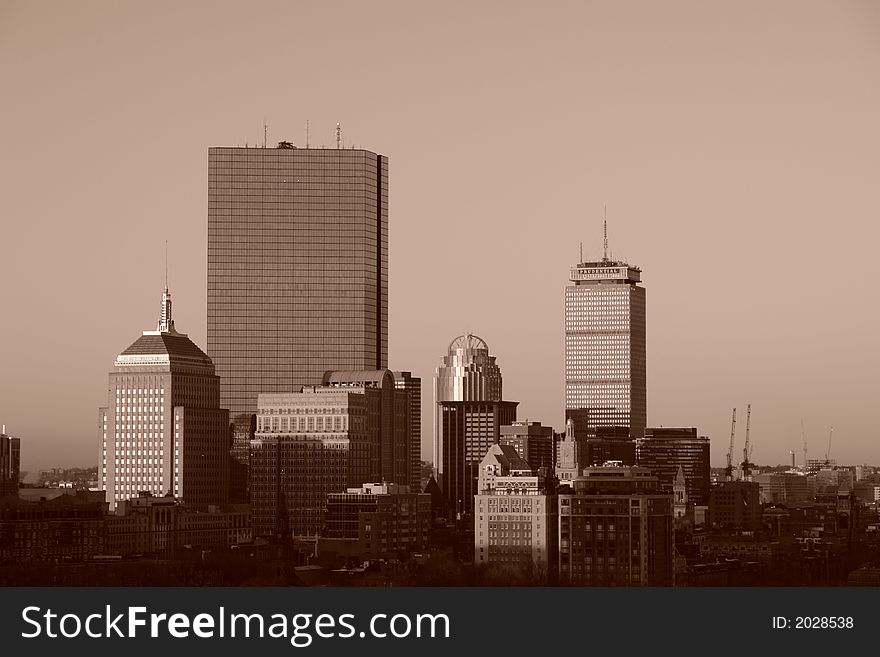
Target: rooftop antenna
(307, 133)
(338, 135)
(605, 258)
(166, 265)
(582, 253)
(804, 437)
(265, 131)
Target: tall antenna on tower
(307, 133)
(606, 233)
(582, 253)
(265, 131)
(804, 437)
(338, 135)
(166, 265)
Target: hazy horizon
(736, 145)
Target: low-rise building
(67, 528)
(376, 521)
(735, 505)
(160, 526)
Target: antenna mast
(338, 135)
(265, 132)
(747, 450)
(307, 133)
(804, 437)
(166, 265)
(605, 258)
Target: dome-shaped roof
(467, 341)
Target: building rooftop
(368, 378)
(466, 342)
(176, 346)
(507, 457)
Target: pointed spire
(166, 323)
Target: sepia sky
(736, 145)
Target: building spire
(166, 324)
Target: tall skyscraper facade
(10, 463)
(297, 267)
(412, 392)
(469, 414)
(605, 377)
(163, 431)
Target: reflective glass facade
(605, 378)
(297, 267)
(469, 415)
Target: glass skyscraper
(605, 381)
(469, 415)
(297, 267)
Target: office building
(615, 529)
(605, 377)
(10, 463)
(785, 487)
(515, 517)
(163, 431)
(609, 443)
(67, 528)
(533, 442)
(297, 267)
(243, 428)
(307, 444)
(352, 430)
(376, 521)
(162, 527)
(411, 387)
(664, 449)
(735, 505)
(469, 414)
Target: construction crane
(747, 449)
(828, 451)
(728, 471)
(804, 436)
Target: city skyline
(706, 167)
